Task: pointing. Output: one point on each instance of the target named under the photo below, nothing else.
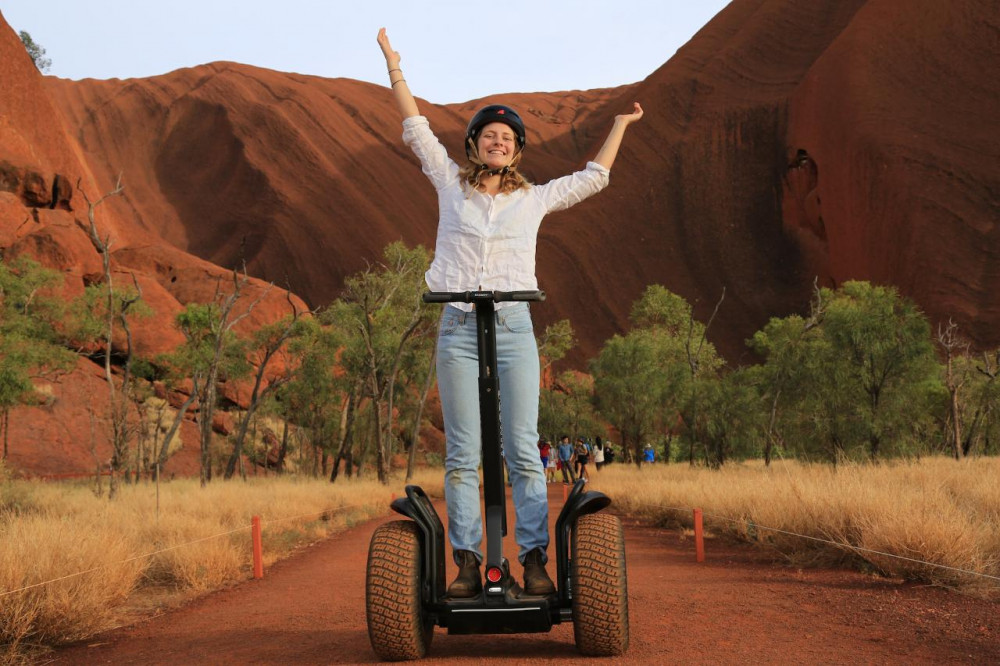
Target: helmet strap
(494, 172)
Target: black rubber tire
(600, 586)
(398, 627)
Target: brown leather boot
(469, 582)
(536, 581)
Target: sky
(450, 51)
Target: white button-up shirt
(488, 242)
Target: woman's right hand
(400, 90)
(391, 57)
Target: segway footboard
(506, 614)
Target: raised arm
(606, 155)
(404, 98)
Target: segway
(405, 583)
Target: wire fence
(837, 544)
(154, 553)
(683, 510)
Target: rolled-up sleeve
(567, 191)
(434, 160)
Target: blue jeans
(458, 384)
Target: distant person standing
(609, 453)
(544, 451)
(550, 468)
(598, 454)
(582, 458)
(566, 459)
(648, 454)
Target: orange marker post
(258, 548)
(699, 537)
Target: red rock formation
(787, 140)
(901, 119)
(45, 185)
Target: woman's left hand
(606, 155)
(629, 118)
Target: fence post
(258, 548)
(699, 537)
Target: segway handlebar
(472, 296)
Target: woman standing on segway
(487, 231)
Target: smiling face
(497, 145)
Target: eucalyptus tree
(105, 313)
(558, 399)
(36, 51)
(319, 398)
(790, 347)
(734, 425)
(553, 344)
(552, 412)
(383, 315)
(857, 374)
(653, 377)
(626, 382)
(416, 379)
(981, 430)
(264, 345)
(881, 348)
(211, 350)
(567, 407)
(30, 340)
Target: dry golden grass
(198, 540)
(36, 547)
(936, 511)
(934, 519)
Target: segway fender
(417, 507)
(404, 506)
(578, 503)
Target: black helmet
(494, 113)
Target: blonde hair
(472, 171)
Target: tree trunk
(874, 442)
(381, 464)
(206, 412)
(255, 397)
(768, 447)
(411, 463)
(347, 436)
(234, 457)
(161, 459)
(667, 447)
(5, 418)
(283, 449)
(956, 421)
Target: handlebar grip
(447, 297)
(527, 295)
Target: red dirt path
(736, 607)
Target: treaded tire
(600, 586)
(398, 627)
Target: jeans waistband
(462, 315)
